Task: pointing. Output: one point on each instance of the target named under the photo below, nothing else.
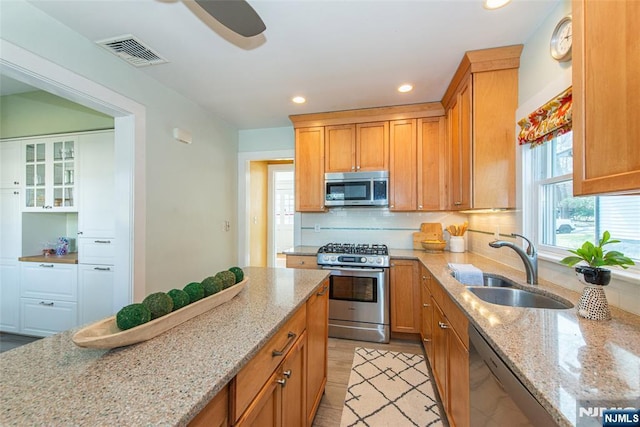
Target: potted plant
(593, 302)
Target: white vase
(593, 304)
(456, 244)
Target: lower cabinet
(426, 321)
(302, 261)
(216, 413)
(317, 348)
(9, 296)
(404, 290)
(44, 317)
(95, 292)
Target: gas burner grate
(354, 248)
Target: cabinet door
(302, 261)
(605, 115)
(432, 185)
(96, 182)
(95, 292)
(266, 409)
(9, 296)
(309, 169)
(294, 411)
(457, 381)
(402, 165)
(96, 251)
(372, 146)
(404, 285)
(317, 348)
(426, 324)
(216, 413)
(10, 164)
(440, 351)
(340, 148)
(460, 126)
(49, 281)
(43, 317)
(35, 175)
(10, 225)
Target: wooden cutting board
(428, 231)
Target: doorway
(281, 213)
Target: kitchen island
(167, 380)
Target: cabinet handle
(102, 268)
(16, 192)
(424, 277)
(419, 206)
(281, 381)
(80, 233)
(443, 325)
(46, 265)
(392, 206)
(301, 262)
(392, 264)
(292, 337)
(16, 183)
(353, 167)
(50, 304)
(358, 167)
(457, 203)
(287, 373)
(323, 291)
(426, 305)
(426, 340)
(102, 241)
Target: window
(561, 221)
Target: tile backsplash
(370, 225)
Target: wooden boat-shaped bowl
(106, 334)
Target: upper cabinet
(49, 174)
(309, 169)
(340, 148)
(402, 159)
(480, 107)
(10, 164)
(357, 147)
(606, 97)
(432, 183)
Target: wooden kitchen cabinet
(606, 97)
(309, 169)
(302, 261)
(216, 413)
(317, 348)
(426, 321)
(480, 107)
(432, 184)
(357, 147)
(403, 173)
(404, 290)
(450, 355)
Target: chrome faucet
(529, 258)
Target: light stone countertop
(164, 381)
(563, 359)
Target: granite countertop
(563, 359)
(302, 250)
(71, 258)
(164, 381)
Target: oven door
(359, 294)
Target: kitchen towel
(467, 274)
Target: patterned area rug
(387, 388)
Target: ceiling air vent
(132, 50)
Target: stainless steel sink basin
(495, 281)
(517, 297)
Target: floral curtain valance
(547, 122)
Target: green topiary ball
(211, 286)
(195, 291)
(238, 273)
(180, 298)
(228, 278)
(132, 315)
(159, 304)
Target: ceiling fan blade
(236, 15)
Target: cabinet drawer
(302, 261)
(96, 251)
(254, 375)
(95, 292)
(43, 317)
(49, 280)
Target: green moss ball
(237, 271)
(228, 278)
(195, 291)
(132, 315)
(211, 285)
(180, 298)
(159, 304)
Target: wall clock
(561, 40)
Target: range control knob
(333, 258)
(370, 260)
(379, 260)
(325, 258)
(363, 259)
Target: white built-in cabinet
(50, 174)
(10, 235)
(63, 173)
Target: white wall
(268, 139)
(190, 189)
(540, 79)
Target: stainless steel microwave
(356, 189)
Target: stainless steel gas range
(359, 290)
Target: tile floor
(11, 341)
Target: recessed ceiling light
(495, 4)
(405, 88)
(299, 99)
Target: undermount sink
(495, 281)
(517, 297)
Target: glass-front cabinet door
(50, 174)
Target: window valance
(547, 122)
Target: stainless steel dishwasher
(497, 398)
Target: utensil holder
(456, 244)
